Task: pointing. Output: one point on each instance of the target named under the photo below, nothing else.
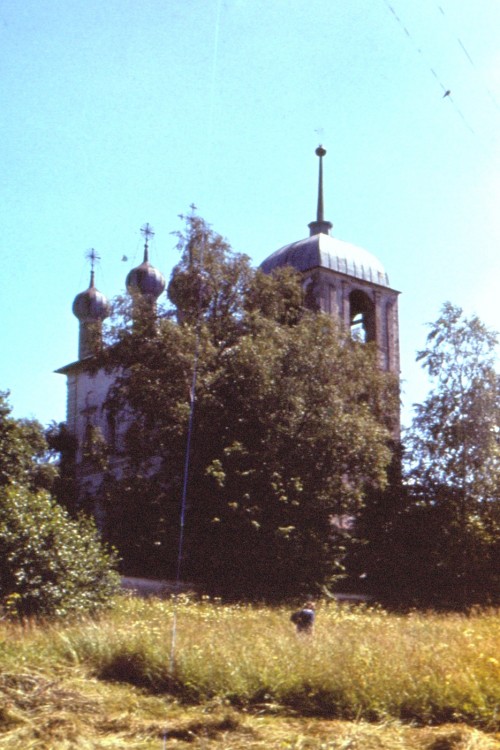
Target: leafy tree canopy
(291, 426)
(455, 434)
(23, 450)
(452, 525)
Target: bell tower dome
(346, 282)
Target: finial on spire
(94, 258)
(320, 226)
(147, 232)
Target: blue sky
(119, 113)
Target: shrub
(50, 564)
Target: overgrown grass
(359, 663)
(234, 665)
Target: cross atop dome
(94, 258)
(147, 232)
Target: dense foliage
(436, 539)
(454, 459)
(49, 564)
(23, 451)
(290, 427)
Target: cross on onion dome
(94, 258)
(147, 232)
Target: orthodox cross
(147, 232)
(94, 258)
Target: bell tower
(346, 282)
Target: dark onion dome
(91, 305)
(146, 281)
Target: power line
(468, 56)
(445, 89)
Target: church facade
(340, 280)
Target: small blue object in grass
(303, 619)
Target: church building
(340, 280)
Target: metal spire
(146, 232)
(320, 226)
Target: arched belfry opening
(362, 317)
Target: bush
(50, 564)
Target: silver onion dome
(91, 305)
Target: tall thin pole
(187, 459)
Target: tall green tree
(24, 456)
(291, 427)
(453, 452)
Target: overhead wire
(445, 89)
(468, 56)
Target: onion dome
(145, 280)
(320, 250)
(91, 305)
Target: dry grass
(57, 715)
(244, 680)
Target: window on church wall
(361, 316)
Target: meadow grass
(359, 663)
(238, 670)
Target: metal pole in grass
(187, 458)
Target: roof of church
(323, 251)
(320, 250)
